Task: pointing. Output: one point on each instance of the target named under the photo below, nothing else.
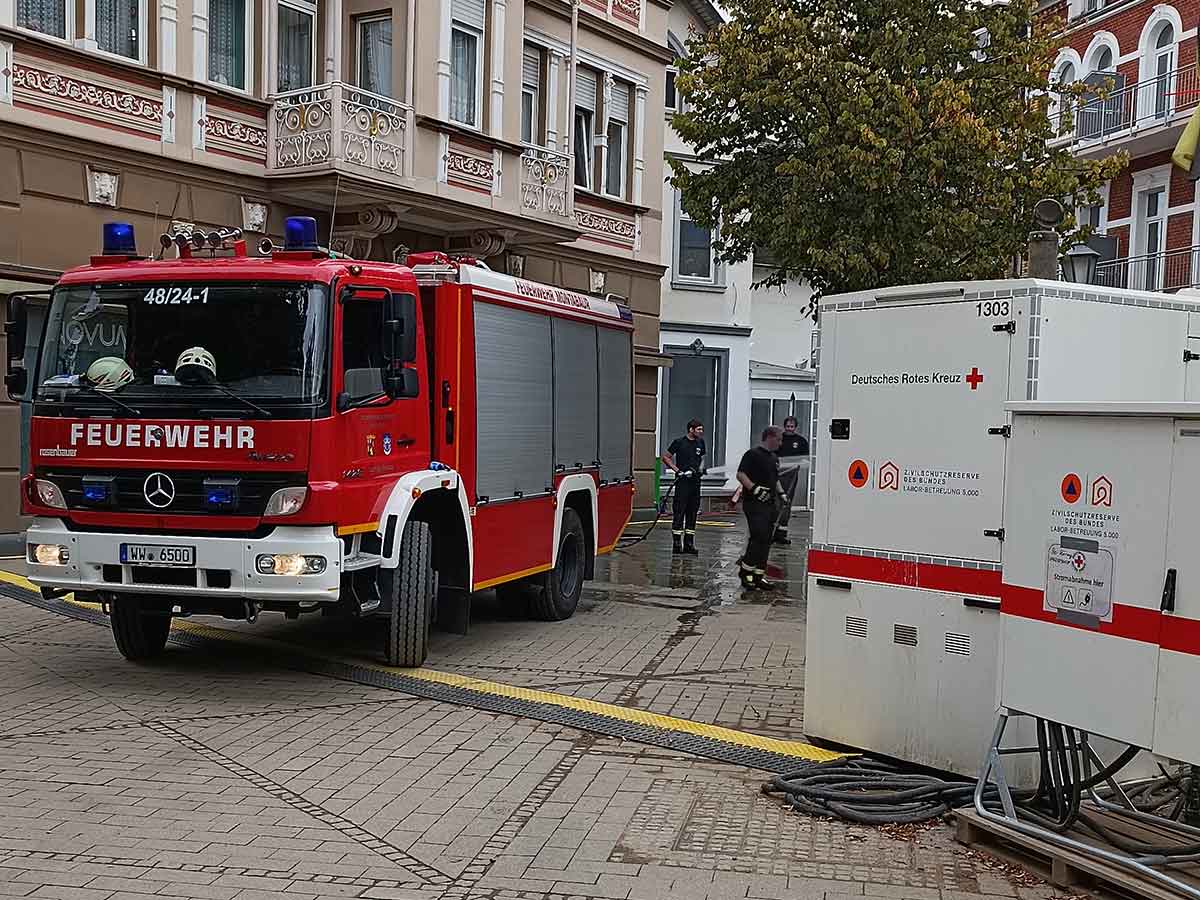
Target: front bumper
(224, 566)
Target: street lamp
(1079, 264)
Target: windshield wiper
(265, 413)
(88, 389)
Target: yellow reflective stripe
(358, 529)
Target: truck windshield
(266, 341)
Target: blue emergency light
(220, 493)
(300, 233)
(119, 239)
(97, 490)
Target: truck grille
(253, 488)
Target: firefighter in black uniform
(685, 457)
(792, 448)
(758, 474)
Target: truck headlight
(286, 501)
(49, 554)
(289, 564)
(47, 493)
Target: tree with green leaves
(866, 143)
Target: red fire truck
(222, 433)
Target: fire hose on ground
(873, 792)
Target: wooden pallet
(1070, 869)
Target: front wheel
(139, 627)
(407, 592)
(558, 590)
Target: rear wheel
(139, 627)
(558, 589)
(407, 592)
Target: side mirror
(399, 328)
(16, 380)
(400, 383)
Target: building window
(531, 89)
(585, 118)
(1163, 70)
(618, 141)
(375, 53)
(770, 411)
(1059, 98)
(673, 101)
(49, 17)
(227, 43)
(694, 388)
(1151, 239)
(695, 260)
(672, 96)
(297, 44)
(466, 61)
(119, 27)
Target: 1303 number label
(174, 296)
(990, 308)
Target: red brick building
(1148, 49)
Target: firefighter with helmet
(685, 457)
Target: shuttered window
(469, 12)
(585, 123)
(620, 102)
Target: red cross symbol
(974, 379)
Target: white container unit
(909, 533)
(1100, 602)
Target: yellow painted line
(796, 749)
(715, 524)
(511, 576)
(358, 529)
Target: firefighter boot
(781, 537)
(676, 542)
(689, 543)
(746, 577)
(764, 584)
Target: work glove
(761, 493)
(687, 474)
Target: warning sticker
(1079, 576)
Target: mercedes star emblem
(159, 490)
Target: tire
(139, 628)
(558, 590)
(407, 592)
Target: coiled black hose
(625, 543)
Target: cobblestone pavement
(209, 774)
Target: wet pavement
(212, 773)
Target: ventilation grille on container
(905, 635)
(959, 644)
(856, 627)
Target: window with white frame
(466, 61)
(227, 58)
(54, 18)
(374, 53)
(695, 260)
(531, 91)
(673, 100)
(1064, 76)
(586, 81)
(616, 162)
(297, 44)
(120, 26)
(1162, 70)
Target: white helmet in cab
(108, 374)
(196, 366)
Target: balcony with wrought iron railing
(1169, 270)
(1144, 107)
(546, 185)
(328, 125)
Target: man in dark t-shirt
(792, 448)
(758, 474)
(685, 457)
